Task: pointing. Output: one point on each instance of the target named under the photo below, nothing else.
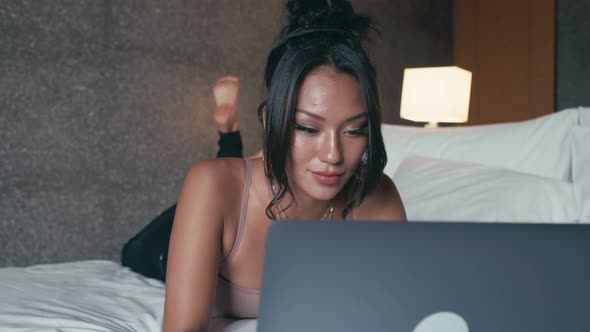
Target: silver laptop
(425, 277)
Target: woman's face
(330, 133)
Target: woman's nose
(331, 149)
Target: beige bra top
(232, 300)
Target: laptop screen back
(425, 277)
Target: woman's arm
(194, 251)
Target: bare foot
(225, 92)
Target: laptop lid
(425, 277)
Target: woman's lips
(327, 178)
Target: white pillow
(541, 146)
(445, 190)
(581, 169)
(584, 113)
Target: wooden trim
(509, 47)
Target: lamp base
(431, 125)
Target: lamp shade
(436, 94)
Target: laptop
(425, 277)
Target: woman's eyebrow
(315, 116)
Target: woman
(323, 158)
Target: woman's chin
(324, 194)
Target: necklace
(327, 215)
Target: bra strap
(243, 209)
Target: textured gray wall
(572, 54)
(104, 105)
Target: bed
(531, 171)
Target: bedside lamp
(436, 94)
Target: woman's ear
(264, 114)
(261, 112)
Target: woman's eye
(307, 130)
(359, 131)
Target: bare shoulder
(219, 175)
(383, 203)
(216, 182)
(219, 168)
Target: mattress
(94, 295)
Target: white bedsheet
(85, 296)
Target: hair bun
(328, 14)
(301, 8)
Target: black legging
(147, 252)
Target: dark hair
(319, 33)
